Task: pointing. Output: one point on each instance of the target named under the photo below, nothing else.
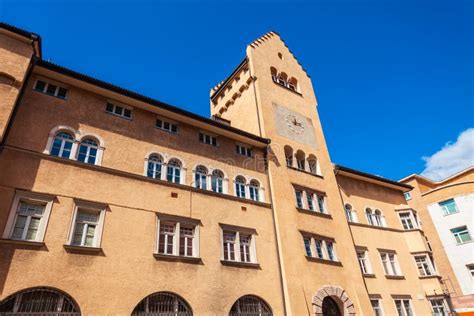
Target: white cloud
(452, 158)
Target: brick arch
(338, 295)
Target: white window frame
(411, 218)
(428, 261)
(88, 207)
(178, 222)
(47, 200)
(210, 142)
(407, 196)
(324, 241)
(470, 269)
(444, 306)
(457, 234)
(170, 125)
(392, 267)
(244, 150)
(379, 307)
(237, 231)
(118, 104)
(402, 301)
(351, 214)
(324, 204)
(54, 83)
(365, 267)
(445, 209)
(204, 178)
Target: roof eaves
(371, 176)
(223, 83)
(30, 35)
(142, 98)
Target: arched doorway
(332, 300)
(250, 305)
(162, 304)
(330, 307)
(40, 301)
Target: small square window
(51, 89)
(461, 234)
(448, 207)
(109, 107)
(40, 85)
(127, 113)
(62, 92)
(407, 196)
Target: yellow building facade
(113, 203)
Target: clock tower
(270, 94)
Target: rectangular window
(363, 261)
(403, 307)
(376, 306)
(208, 139)
(299, 199)
(177, 237)
(28, 217)
(470, 268)
(319, 248)
(307, 246)
(407, 196)
(229, 245)
(238, 245)
(408, 220)
(438, 307)
(321, 203)
(50, 89)
(309, 197)
(85, 228)
(88, 221)
(424, 265)
(330, 250)
(244, 151)
(324, 249)
(118, 110)
(461, 234)
(448, 207)
(166, 126)
(390, 263)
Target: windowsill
(305, 211)
(450, 213)
(304, 171)
(30, 243)
(120, 116)
(166, 131)
(249, 265)
(434, 276)
(288, 89)
(325, 261)
(463, 243)
(195, 260)
(383, 227)
(82, 249)
(395, 277)
(141, 177)
(368, 275)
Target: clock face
(294, 124)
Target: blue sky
(394, 79)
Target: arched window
(88, 151)
(378, 218)
(200, 177)
(240, 187)
(369, 215)
(254, 190)
(217, 181)
(154, 166)
(349, 214)
(39, 301)
(330, 307)
(313, 165)
(250, 305)
(62, 145)
(289, 156)
(282, 79)
(300, 160)
(174, 171)
(274, 73)
(162, 304)
(293, 84)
